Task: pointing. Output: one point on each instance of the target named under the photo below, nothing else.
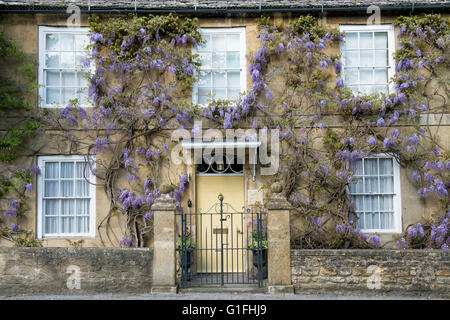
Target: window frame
(242, 58)
(389, 28)
(397, 199)
(42, 31)
(40, 195)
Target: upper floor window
(367, 57)
(66, 197)
(223, 73)
(61, 73)
(376, 194)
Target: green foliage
(253, 244)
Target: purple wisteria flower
(126, 242)
(372, 141)
(35, 170)
(339, 82)
(375, 240)
(14, 227)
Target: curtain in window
(372, 195)
(66, 203)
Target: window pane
(381, 76)
(351, 40)
(386, 184)
(381, 58)
(372, 220)
(52, 60)
(81, 80)
(52, 78)
(206, 60)
(218, 60)
(370, 167)
(371, 185)
(365, 76)
(51, 225)
(365, 40)
(351, 58)
(203, 97)
(219, 42)
(357, 187)
(67, 188)
(67, 59)
(233, 60)
(360, 223)
(358, 203)
(68, 79)
(351, 76)
(51, 207)
(386, 203)
(387, 220)
(82, 188)
(82, 170)
(381, 89)
(68, 225)
(220, 93)
(68, 94)
(204, 79)
(233, 94)
(356, 167)
(219, 79)
(52, 95)
(66, 169)
(366, 58)
(51, 188)
(51, 42)
(386, 166)
(234, 79)
(79, 59)
(233, 42)
(206, 46)
(81, 41)
(370, 203)
(83, 207)
(67, 207)
(83, 224)
(67, 41)
(381, 40)
(366, 89)
(51, 170)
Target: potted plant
(185, 246)
(259, 250)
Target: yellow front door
(209, 231)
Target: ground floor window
(376, 194)
(66, 197)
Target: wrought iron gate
(222, 246)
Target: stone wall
(74, 270)
(418, 272)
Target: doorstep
(228, 288)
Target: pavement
(214, 296)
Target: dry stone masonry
(418, 272)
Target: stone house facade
(40, 29)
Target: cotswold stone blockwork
(74, 270)
(421, 272)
